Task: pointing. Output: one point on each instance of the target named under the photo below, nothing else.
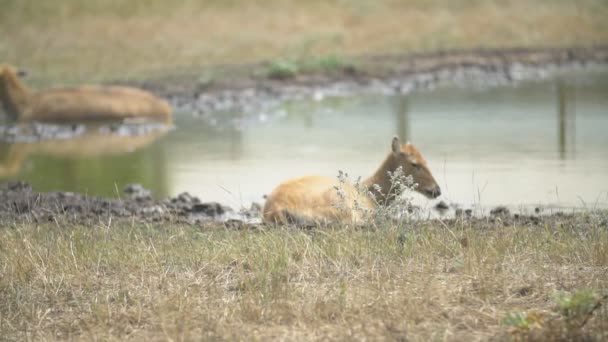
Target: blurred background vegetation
(76, 40)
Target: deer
(315, 200)
(79, 103)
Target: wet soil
(19, 203)
(250, 88)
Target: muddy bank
(19, 203)
(34, 132)
(251, 88)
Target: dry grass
(74, 40)
(133, 281)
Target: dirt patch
(18, 202)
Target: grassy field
(460, 280)
(77, 40)
(430, 281)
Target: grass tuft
(282, 69)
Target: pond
(541, 143)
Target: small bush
(524, 321)
(288, 68)
(328, 63)
(576, 307)
(282, 69)
(399, 209)
(571, 314)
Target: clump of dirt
(18, 202)
(500, 217)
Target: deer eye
(416, 166)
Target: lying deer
(313, 200)
(81, 103)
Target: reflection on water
(537, 143)
(565, 118)
(77, 157)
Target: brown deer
(314, 200)
(81, 103)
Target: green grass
(76, 40)
(326, 63)
(427, 281)
(284, 68)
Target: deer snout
(433, 192)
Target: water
(537, 143)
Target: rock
(185, 197)
(211, 209)
(18, 186)
(137, 191)
(468, 213)
(153, 210)
(441, 206)
(500, 211)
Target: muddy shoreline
(250, 88)
(20, 204)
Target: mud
(19, 203)
(248, 88)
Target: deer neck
(381, 177)
(13, 94)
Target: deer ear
(396, 145)
(407, 148)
